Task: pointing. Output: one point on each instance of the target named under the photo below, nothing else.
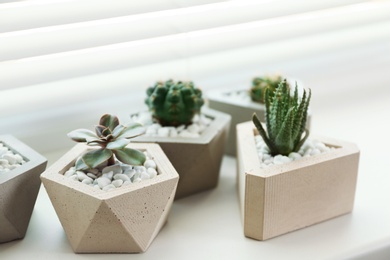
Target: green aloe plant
(174, 103)
(286, 117)
(112, 138)
(261, 84)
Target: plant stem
(111, 161)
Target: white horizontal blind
(64, 62)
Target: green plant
(285, 120)
(259, 86)
(173, 104)
(112, 138)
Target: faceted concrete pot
(197, 160)
(240, 112)
(122, 220)
(287, 197)
(18, 190)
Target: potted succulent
(287, 181)
(111, 196)
(20, 167)
(192, 137)
(240, 103)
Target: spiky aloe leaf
(130, 156)
(261, 131)
(285, 120)
(96, 157)
(109, 121)
(82, 135)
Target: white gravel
(199, 124)
(115, 176)
(309, 148)
(8, 159)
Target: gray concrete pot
(197, 160)
(240, 112)
(18, 190)
(123, 220)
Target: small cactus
(285, 120)
(174, 104)
(259, 85)
(112, 138)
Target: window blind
(63, 63)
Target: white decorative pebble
(109, 187)
(103, 181)
(114, 176)
(122, 177)
(163, 132)
(152, 173)
(117, 183)
(10, 158)
(113, 168)
(87, 181)
(150, 164)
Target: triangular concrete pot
(18, 190)
(240, 112)
(123, 220)
(197, 160)
(287, 197)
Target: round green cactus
(173, 104)
(259, 85)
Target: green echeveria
(285, 120)
(113, 139)
(174, 103)
(259, 86)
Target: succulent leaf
(81, 135)
(80, 165)
(174, 103)
(96, 157)
(285, 120)
(130, 156)
(118, 144)
(109, 121)
(131, 130)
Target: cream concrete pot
(18, 190)
(122, 220)
(240, 112)
(287, 197)
(197, 160)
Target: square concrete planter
(197, 160)
(122, 220)
(18, 190)
(287, 197)
(240, 112)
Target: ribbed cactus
(173, 104)
(285, 120)
(259, 85)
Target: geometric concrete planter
(18, 190)
(197, 160)
(287, 197)
(240, 111)
(122, 220)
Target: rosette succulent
(112, 139)
(285, 120)
(260, 84)
(174, 103)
